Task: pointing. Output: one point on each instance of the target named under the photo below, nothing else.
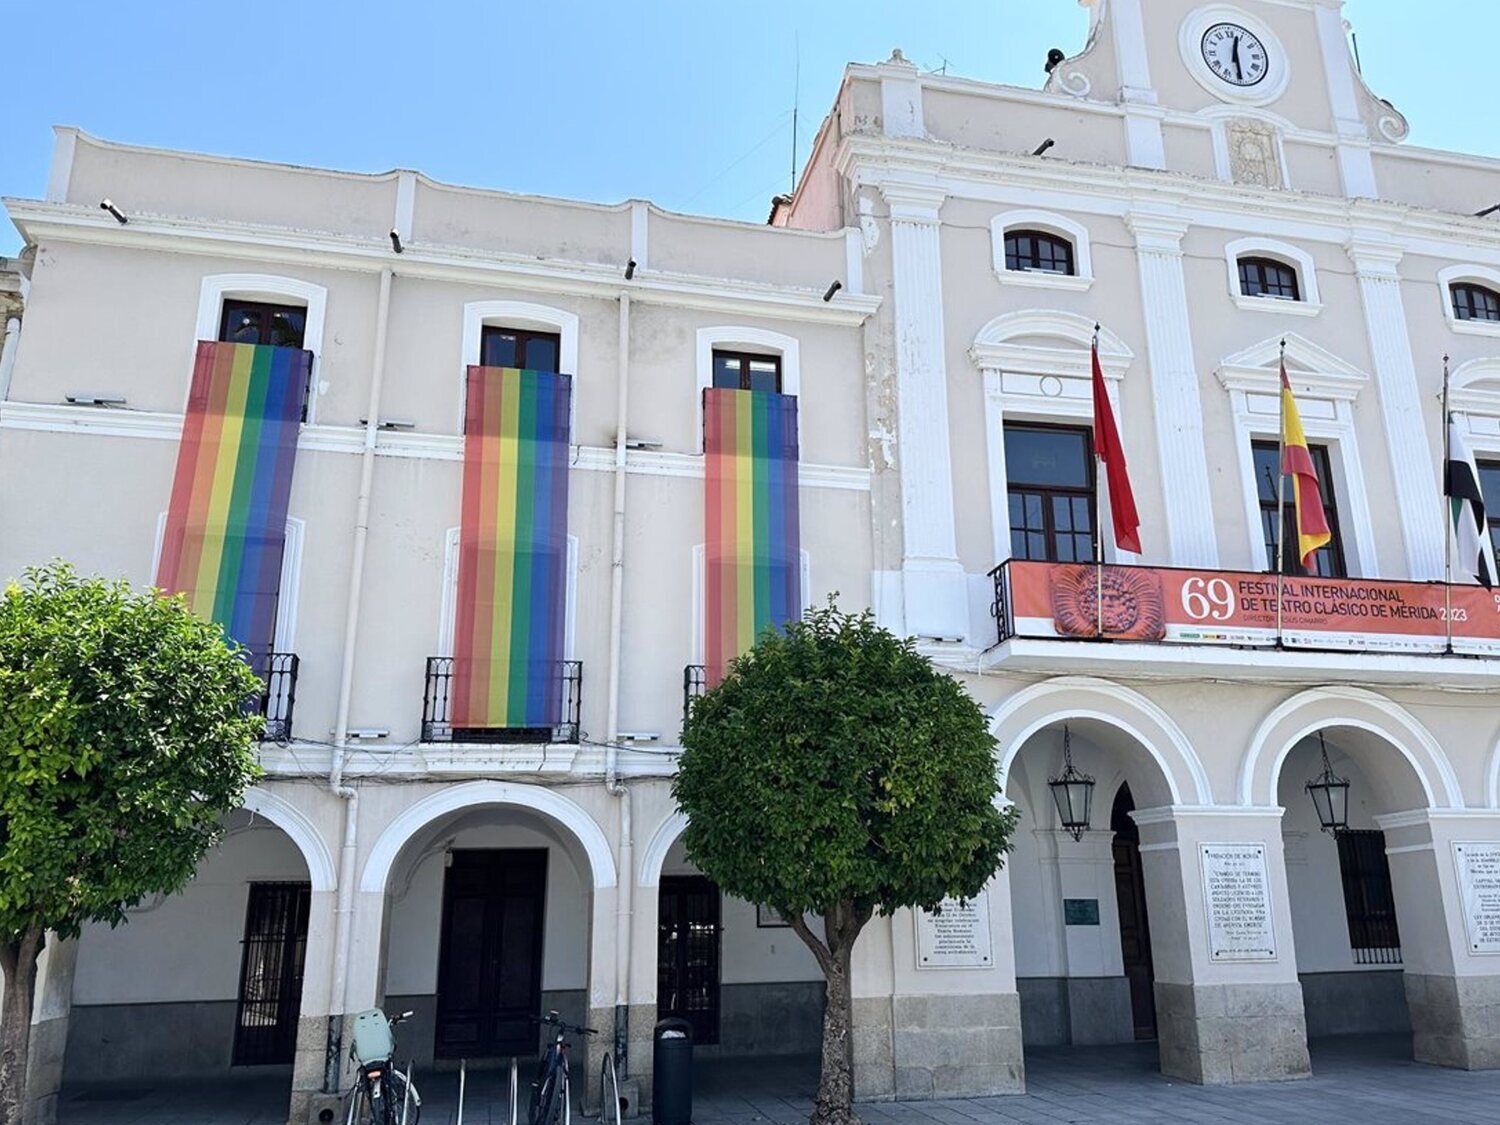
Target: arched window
(1266, 277)
(1475, 302)
(1037, 250)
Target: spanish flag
(1297, 463)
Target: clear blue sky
(684, 102)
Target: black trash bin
(672, 1073)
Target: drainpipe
(8, 354)
(343, 931)
(612, 782)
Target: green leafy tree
(124, 740)
(835, 772)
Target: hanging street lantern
(1330, 795)
(1073, 792)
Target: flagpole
(1098, 522)
(1281, 495)
(1448, 529)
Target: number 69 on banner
(1210, 599)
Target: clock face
(1235, 54)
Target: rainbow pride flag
(226, 521)
(753, 572)
(513, 550)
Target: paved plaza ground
(1362, 1080)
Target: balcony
(1066, 617)
(278, 672)
(694, 684)
(437, 698)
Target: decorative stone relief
(1254, 158)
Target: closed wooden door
(1135, 929)
(490, 965)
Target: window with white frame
(1039, 432)
(1471, 299)
(519, 334)
(246, 308)
(1270, 276)
(738, 355)
(1326, 388)
(1041, 248)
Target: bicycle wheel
(544, 1100)
(609, 1091)
(396, 1089)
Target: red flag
(1111, 455)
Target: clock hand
(1235, 56)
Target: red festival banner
(1239, 608)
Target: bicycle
(551, 1091)
(381, 1094)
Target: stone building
(1218, 180)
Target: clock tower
(1255, 69)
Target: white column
(936, 593)
(1143, 139)
(1174, 391)
(1418, 490)
(1356, 165)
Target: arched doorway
(1135, 926)
(1078, 898)
(198, 999)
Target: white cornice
(1017, 179)
(39, 221)
(104, 422)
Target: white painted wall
(187, 947)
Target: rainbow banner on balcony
(226, 521)
(752, 561)
(513, 551)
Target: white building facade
(1220, 181)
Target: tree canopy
(833, 764)
(124, 739)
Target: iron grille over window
(278, 671)
(520, 347)
(1050, 484)
(270, 999)
(688, 954)
(747, 372)
(1475, 302)
(1038, 250)
(1329, 561)
(1369, 902)
(438, 696)
(1266, 277)
(694, 684)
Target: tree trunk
(834, 1102)
(18, 961)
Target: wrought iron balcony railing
(694, 684)
(437, 716)
(278, 672)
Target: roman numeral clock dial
(1235, 54)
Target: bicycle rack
(515, 1082)
(411, 1068)
(463, 1067)
(609, 1091)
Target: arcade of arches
(1203, 907)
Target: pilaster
(1416, 484)
(935, 590)
(1356, 164)
(1144, 147)
(1174, 390)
